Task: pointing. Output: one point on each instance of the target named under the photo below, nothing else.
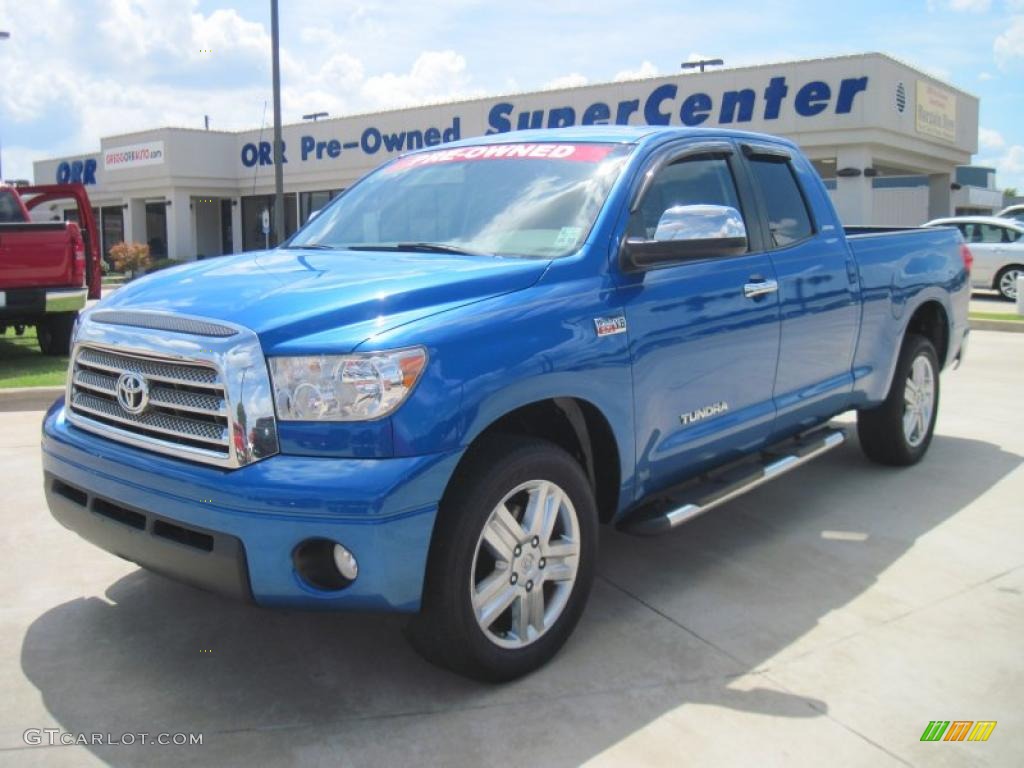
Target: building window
(314, 201)
(252, 221)
(156, 229)
(111, 228)
(227, 238)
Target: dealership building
(890, 141)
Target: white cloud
(646, 69)
(148, 66)
(1009, 165)
(434, 76)
(985, 76)
(975, 6)
(1010, 44)
(989, 139)
(572, 80)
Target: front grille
(186, 400)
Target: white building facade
(860, 119)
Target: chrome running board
(695, 497)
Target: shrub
(131, 257)
(159, 264)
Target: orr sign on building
(868, 116)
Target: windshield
(533, 200)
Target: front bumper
(234, 531)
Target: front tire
(511, 562)
(1006, 282)
(899, 431)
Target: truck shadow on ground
(672, 622)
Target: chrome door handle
(760, 288)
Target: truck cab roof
(610, 134)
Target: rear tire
(505, 587)
(1006, 281)
(899, 431)
(54, 333)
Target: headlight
(356, 387)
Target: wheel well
(580, 429)
(930, 321)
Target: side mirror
(688, 232)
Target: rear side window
(10, 211)
(788, 219)
(976, 232)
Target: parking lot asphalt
(823, 619)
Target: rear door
(819, 299)
(703, 351)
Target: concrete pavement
(823, 619)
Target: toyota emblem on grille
(132, 393)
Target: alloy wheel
(525, 564)
(919, 401)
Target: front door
(703, 352)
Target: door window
(788, 219)
(691, 181)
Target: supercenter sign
(665, 103)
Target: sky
(76, 70)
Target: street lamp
(275, 48)
(314, 116)
(3, 36)
(702, 63)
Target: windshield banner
(584, 153)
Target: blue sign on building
(663, 105)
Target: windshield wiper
(421, 247)
(313, 247)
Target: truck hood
(342, 297)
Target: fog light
(325, 564)
(345, 562)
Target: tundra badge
(609, 326)
(702, 413)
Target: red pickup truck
(48, 269)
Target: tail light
(967, 256)
(78, 267)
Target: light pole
(701, 63)
(3, 36)
(278, 149)
(314, 116)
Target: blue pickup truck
(432, 395)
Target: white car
(998, 248)
(1014, 213)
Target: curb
(28, 398)
(1009, 326)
